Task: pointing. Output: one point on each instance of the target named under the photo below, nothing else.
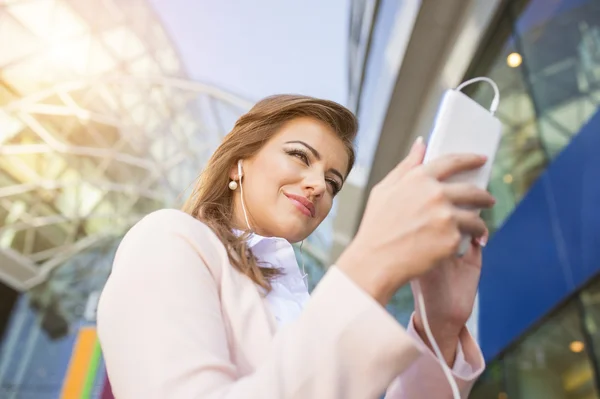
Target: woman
(210, 302)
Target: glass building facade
(556, 359)
(98, 127)
(545, 57)
(372, 75)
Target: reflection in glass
(552, 362)
(545, 57)
(590, 300)
(491, 383)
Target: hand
(449, 292)
(413, 221)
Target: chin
(294, 233)
(293, 237)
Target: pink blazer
(177, 321)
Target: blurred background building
(538, 312)
(103, 119)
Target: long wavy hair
(211, 201)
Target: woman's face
(290, 183)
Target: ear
(236, 172)
(233, 173)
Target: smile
(303, 204)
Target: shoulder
(171, 221)
(165, 225)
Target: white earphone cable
(434, 345)
(495, 101)
(242, 194)
(304, 275)
(419, 299)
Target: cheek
(271, 173)
(324, 208)
(281, 170)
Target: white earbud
(233, 185)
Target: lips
(303, 204)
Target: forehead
(318, 135)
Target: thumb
(414, 158)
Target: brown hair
(212, 201)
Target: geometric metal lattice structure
(98, 126)
(79, 165)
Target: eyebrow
(316, 155)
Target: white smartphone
(463, 126)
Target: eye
(335, 186)
(302, 155)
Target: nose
(315, 184)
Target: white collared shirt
(289, 292)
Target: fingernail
(482, 241)
(417, 142)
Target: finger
(414, 158)
(468, 195)
(470, 223)
(482, 241)
(448, 165)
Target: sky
(262, 47)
